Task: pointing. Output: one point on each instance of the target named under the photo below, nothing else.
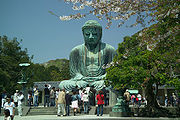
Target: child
(11, 107)
(7, 114)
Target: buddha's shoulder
(107, 46)
(77, 48)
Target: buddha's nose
(91, 36)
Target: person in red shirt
(100, 102)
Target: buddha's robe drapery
(86, 66)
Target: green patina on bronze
(121, 108)
(91, 23)
(86, 60)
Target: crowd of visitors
(79, 99)
(138, 100)
(10, 102)
(173, 100)
(134, 99)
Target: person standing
(7, 114)
(105, 95)
(133, 99)
(127, 96)
(85, 99)
(11, 107)
(46, 96)
(36, 95)
(56, 97)
(87, 88)
(61, 103)
(92, 99)
(166, 101)
(30, 98)
(74, 102)
(173, 99)
(68, 102)
(4, 96)
(139, 99)
(52, 96)
(81, 92)
(178, 101)
(75, 89)
(20, 99)
(0, 100)
(100, 102)
(16, 98)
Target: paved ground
(84, 117)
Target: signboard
(133, 91)
(24, 64)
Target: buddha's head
(92, 32)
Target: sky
(45, 36)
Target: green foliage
(140, 66)
(53, 70)
(61, 70)
(37, 73)
(11, 55)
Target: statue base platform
(121, 109)
(119, 114)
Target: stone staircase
(43, 111)
(106, 110)
(53, 110)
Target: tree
(54, 73)
(61, 70)
(144, 64)
(37, 73)
(11, 55)
(145, 11)
(53, 70)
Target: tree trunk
(150, 96)
(152, 109)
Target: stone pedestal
(25, 93)
(165, 91)
(121, 108)
(42, 97)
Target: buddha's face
(92, 36)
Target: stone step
(44, 108)
(42, 113)
(53, 110)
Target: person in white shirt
(36, 95)
(20, 98)
(4, 96)
(56, 99)
(16, 98)
(11, 107)
(85, 99)
(88, 89)
(52, 96)
(81, 92)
